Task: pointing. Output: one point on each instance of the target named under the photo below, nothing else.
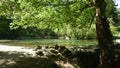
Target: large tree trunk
(104, 36)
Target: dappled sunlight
(5, 48)
(40, 57)
(117, 40)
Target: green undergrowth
(50, 42)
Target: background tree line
(20, 33)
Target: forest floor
(25, 57)
(47, 57)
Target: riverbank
(52, 57)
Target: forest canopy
(65, 17)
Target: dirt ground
(51, 57)
(22, 57)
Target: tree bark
(104, 36)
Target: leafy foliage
(65, 17)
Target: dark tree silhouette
(104, 36)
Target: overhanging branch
(91, 4)
(91, 21)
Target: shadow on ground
(54, 57)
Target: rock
(54, 51)
(94, 47)
(47, 47)
(37, 47)
(61, 48)
(66, 53)
(56, 46)
(40, 53)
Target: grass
(35, 42)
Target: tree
(56, 13)
(104, 36)
(111, 11)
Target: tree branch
(91, 4)
(91, 21)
